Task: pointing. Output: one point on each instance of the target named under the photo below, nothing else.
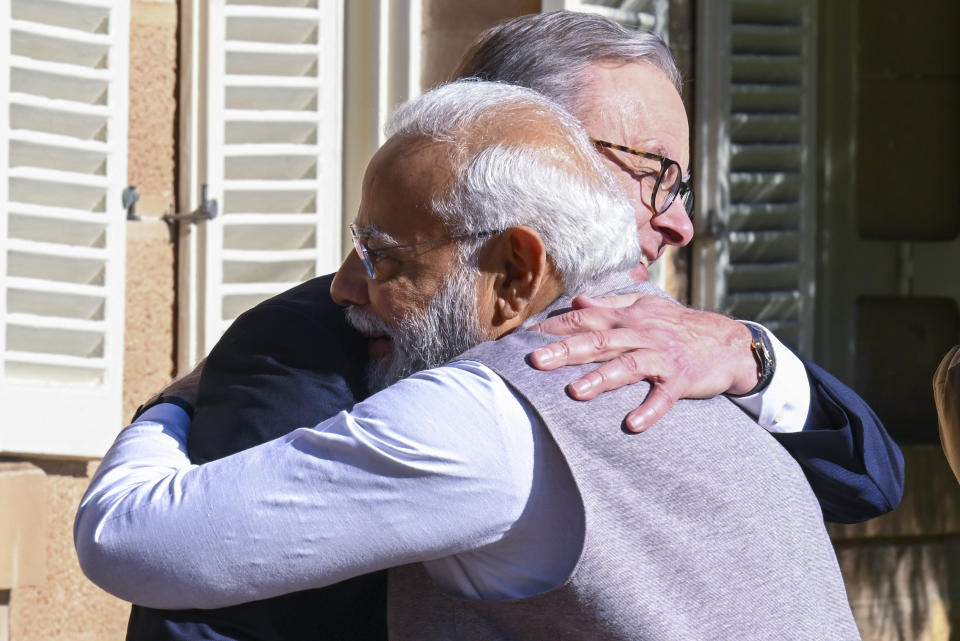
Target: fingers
(550, 356)
(589, 347)
(620, 300)
(624, 370)
(658, 402)
(577, 321)
(589, 314)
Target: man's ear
(521, 275)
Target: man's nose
(674, 225)
(349, 286)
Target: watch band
(164, 398)
(766, 361)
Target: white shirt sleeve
(782, 406)
(422, 470)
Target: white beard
(445, 328)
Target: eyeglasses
(670, 183)
(369, 257)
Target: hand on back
(682, 352)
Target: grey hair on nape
(550, 53)
(519, 159)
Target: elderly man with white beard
(484, 213)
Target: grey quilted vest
(703, 527)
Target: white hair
(551, 52)
(518, 158)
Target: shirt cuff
(172, 417)
(782, 406)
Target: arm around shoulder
(404, 477)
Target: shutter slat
(270, 238)
(55, 288)
(766, 157)
(766, 99)
(94, 364)
(91, 16)
(54, 104)
(772, 187)
(54, 230)
(65, 324)
(58, 141)
(60, 213)
(257, 220)
(763, 246)
(65, 269)
(302, 16)
(247, 189)
(767, 305)
(271, 82)
(270, 150)
(762, 277)
(72, 178)
(259, 288)
(766, 128)
(61, 250)
(67, 70)
(257, 116)
(270, 48)
(268, 256)
(59, 33)
(760, 215)
(54, 305)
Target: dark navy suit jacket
(292, 361)
(289, 362)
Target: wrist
(762, 364)
(743, 360)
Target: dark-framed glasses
(670, 181)
(369, 257)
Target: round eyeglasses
(670, 182)
(369, 257)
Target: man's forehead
(399, 187)
(636, 105)
(634, 132)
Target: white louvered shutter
(755, 163)
(64, 125)
(272, 141)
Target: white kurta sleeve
(437, 464)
